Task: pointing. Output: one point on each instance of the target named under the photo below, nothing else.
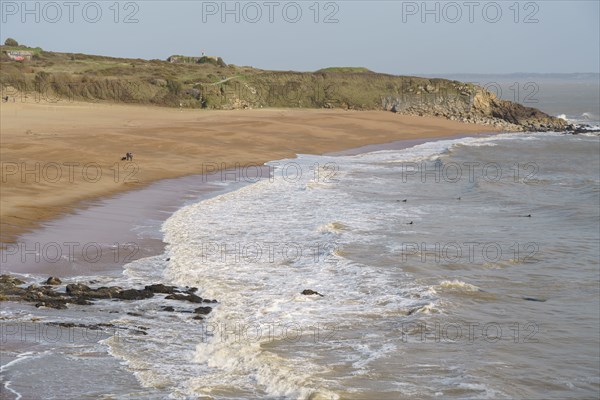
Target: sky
(396, 37)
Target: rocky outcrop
(7, 280)
(471, 104)
(13, 289)
(574, 129)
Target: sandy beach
(54, 156)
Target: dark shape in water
(309, 292)
(186, 297)
(160, 288)
(53, 281)
(534, 299)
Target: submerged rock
(534, 299)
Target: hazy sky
(398, 37)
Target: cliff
(52, 77)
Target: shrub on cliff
(11, 42)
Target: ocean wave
(333, 227)
(586, 118)
(457, 285)
(221, 245)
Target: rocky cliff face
(472, 104)
(370, 91)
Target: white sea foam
(457, 285)
(257, 248)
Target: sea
(457, 268)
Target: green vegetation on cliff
(51, 76)
(345, 69)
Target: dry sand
(54, 156)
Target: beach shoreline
(113, 224)
(59, 158)
(120, 232)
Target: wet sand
(98, 239)
(59, 157)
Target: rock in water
(134, 294)
(183, 297)
(309, 292)
(53, 281)
(533, 299)
(160, 288)
(10, 280)
(75, 289)
(202, 310)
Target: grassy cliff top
(215, 85)
(345, 70)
